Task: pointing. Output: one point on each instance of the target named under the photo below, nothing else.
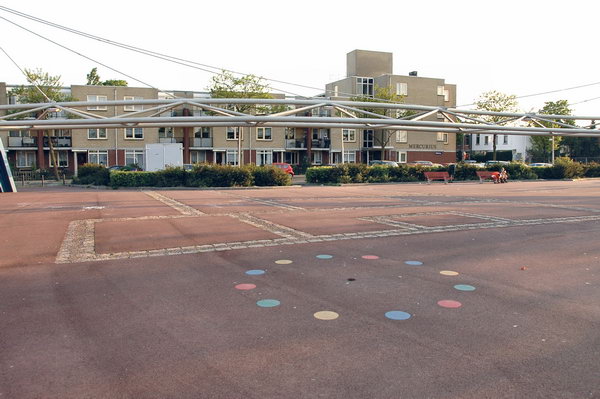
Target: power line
(26, 76)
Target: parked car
(384, 163)
(474, 163)
(540, 165)
(425, 163)
(490, 163)
(287, 168)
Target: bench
(487, 175)
(437, 176)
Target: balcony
(292, 143)
(321, 143)
(167, 140)
(202, 142)
(22, 141)
(59, 142)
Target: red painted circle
(447, 303)
(370, 257)
(245, 286)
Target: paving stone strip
(178, 206)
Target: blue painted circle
(324, 256)
(397, 315)
(413, 262)
(255, 272)
(464, 287)
(268, 303)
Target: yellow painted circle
(448, 273)
(283, 261)
(326, 315)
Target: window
(442, 137)
(402, 156)
(231, 157)
(505, 139)
(203, 133)
(134, 157)
(263, 133)
(165, 132)
(486, 140)
(98, 157)
(233, 133)
(477, 139)
(446, 95)
(349, 156)
(349, 135)
(134, 133)
(316, 158)
(62, 157)
(440, 90)
(94, 134)
(25, 159)
(137, 107)
(401, 136)
(364, 87)
(291, 157)
(335, 91)
(197, 156)
(96, 107)
(264, 157)
(402, 89)
(290, 133)
(368, 137)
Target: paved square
(367, 291)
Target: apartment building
(367, 70)
(258, 145)
(516, 145)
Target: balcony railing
(22, 141)
(167, 140)
(321, 143)
(292, 143)
(58, 142)
(202, 142)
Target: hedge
(91, 173)
(203, 175)
(563, 168)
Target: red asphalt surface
(176, 327)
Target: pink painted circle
(370, 257)
(245, 287)
(447, 303)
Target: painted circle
(450, 304)
(397, 315)
(255, 272)
(464, 287)
(245, 287)
(268, 303)
(283, 261)
(448, 273)
(326, 315)
(324, 256)
(413, 262)
(370, 257)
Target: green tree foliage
(383, 94)
(42, 88)
(227, 85)
(93, 79)
(541, 146)
(495, 101)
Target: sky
(515, 47)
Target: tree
(42, 88)
(383, 94)
(93, 79)
(495, 101)
(542, 146)
(227, 85)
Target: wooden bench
(487, 175)
(437, 176)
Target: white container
(161, 156)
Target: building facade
(28, 150)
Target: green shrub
(270, 176)
(90, 173)
(171, 177)
(401, 173)
(133, 179)
(323, 174)
(356, 172)
(465, 171)
(592, 170)
(519, 171)
(378, 174)
(566, 168)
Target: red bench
(437, 176)
(487, 175)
